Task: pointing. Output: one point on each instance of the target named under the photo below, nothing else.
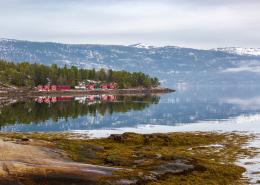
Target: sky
(186, 23)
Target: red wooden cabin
(109, 86)
(46, 87)
(90, 87)
(112, 86)
(104, 86)
(54, 87)
(39, 88)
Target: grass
(146, 158)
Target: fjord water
(188, 105)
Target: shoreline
(129, 158)
(32, 93)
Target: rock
(158, 156)
(126, 182)
(116, 137)
(25, 139)
(176, 166)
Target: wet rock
(176, 166)
(116, 137)
(23, 139)
(149, 178)
(126, 182)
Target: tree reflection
(36, 111)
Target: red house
(109, 86)
(112, 86)
(39, 88)
(104, 86)
(90, 87)
(54, 87)
(47, 88)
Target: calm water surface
(186, 106)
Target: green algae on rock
(155, 159)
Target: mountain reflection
(54, 108)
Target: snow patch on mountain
(142, 46)
(6, 40)
(240, 51)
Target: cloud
(191, 23)
(244, 69)
(246, 104)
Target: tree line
(29, 75)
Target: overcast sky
(188, 23)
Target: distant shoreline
(33, 93)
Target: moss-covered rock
(155, 159)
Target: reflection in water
(44, 109)
(90, 99)
(107, 112)
(249, 103)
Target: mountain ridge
(171, 64)
(230, 49)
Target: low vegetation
(29, 75)
(157, 159)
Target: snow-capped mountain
(170, 63)
(240, 51)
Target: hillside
(171, 64)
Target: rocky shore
(24, 92)
(152, 159)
